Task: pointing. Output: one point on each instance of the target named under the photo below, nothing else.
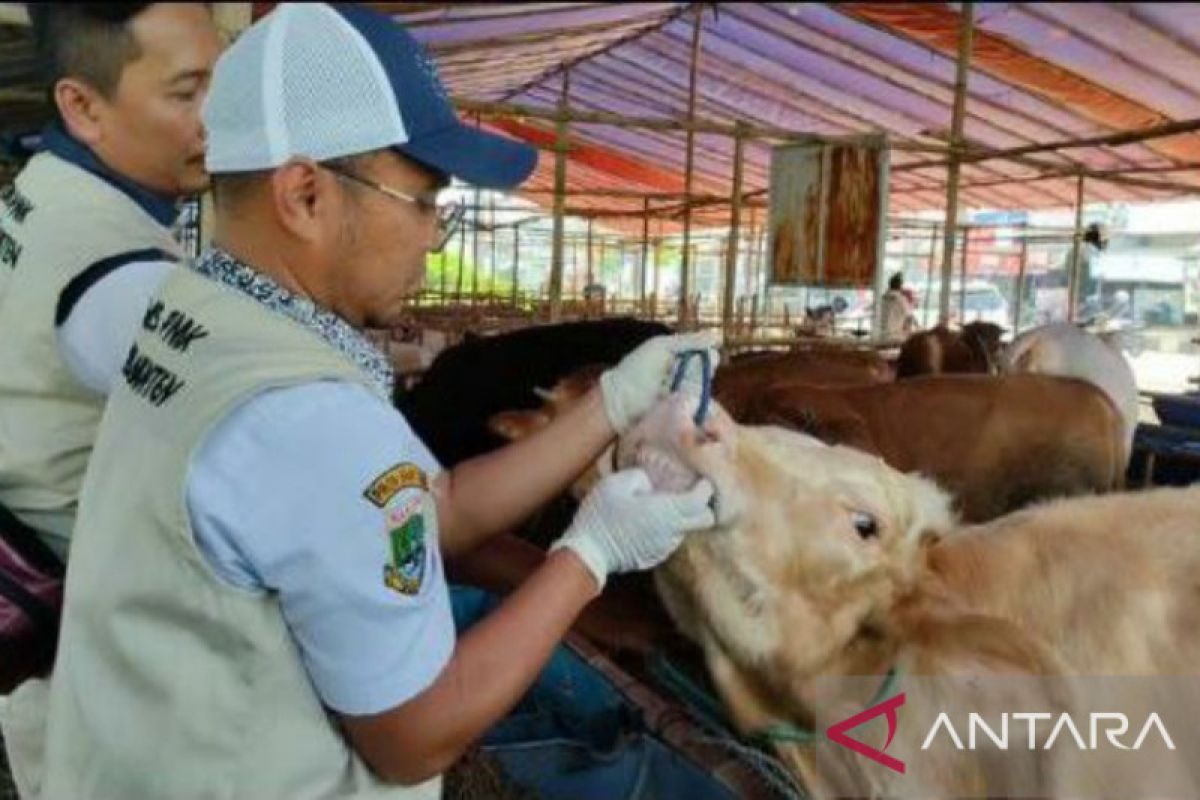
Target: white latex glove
(642, 377)
(624, 525)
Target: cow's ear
(514, 425)
(929, 538)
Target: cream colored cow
(828, 563)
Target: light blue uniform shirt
(276, 498)
(278, 501)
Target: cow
(1066, 350)
(997, 444)
(974, 348)
(466, 384)
(827, 564)
(743, 375)
(818, 367)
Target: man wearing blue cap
(256, 605)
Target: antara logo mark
(837, 732)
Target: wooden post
(1019, 299)
(654, 294)
(560, 200)
(574, 267)
(444, 278)
(590, 274)
(516, 273)
(492, 237)
(965, 35)
(645, 252)
(933, 237)
(620, 272)
(881, 278)
(602, 281)
(685, 281)
(752, 256)
(761, 282)
(475, 251)
(962, 277)
(462, 262)
(1076, 248)
(735, 216)
(823, 208)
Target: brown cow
(742, 376)
(825, 367)
(997, 444)
(974, 348)
(826, 564)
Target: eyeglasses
(449, 216)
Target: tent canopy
(1040, 73)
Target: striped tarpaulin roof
(1041, 73)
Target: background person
(897, 314)
(85, 232)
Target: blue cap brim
(478, 158)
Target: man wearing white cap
(255, 604)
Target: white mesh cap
(305, 83)
(325, 82)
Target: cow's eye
(864, 524)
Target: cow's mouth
(675, 453)
(670, 473)
(667, 472)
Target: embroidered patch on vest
(390, 483)
(406, 534)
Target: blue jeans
(575, 736)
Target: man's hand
(624, 525)
(642, 377)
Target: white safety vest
(61, 228)
(170, 682)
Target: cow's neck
(962, 571)
(992, 580)
(874, 651)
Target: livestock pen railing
(1016, 274)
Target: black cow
(449, 408)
